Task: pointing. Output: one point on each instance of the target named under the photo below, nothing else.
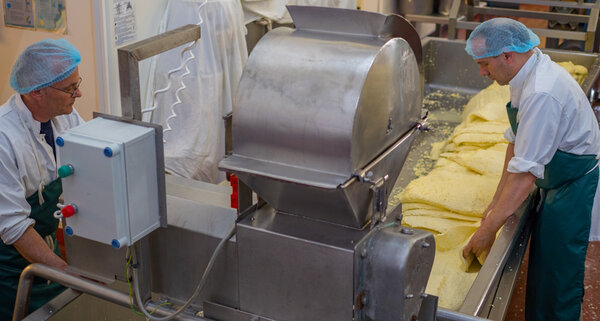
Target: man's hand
(481, 242)
(512, 195)
(33, 248)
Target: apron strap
(37, 159)
(593, 168)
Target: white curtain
(196, 143)
(275, 9)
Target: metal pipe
(78, 284)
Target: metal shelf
(462, 16)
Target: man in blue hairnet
(554, 142)
(46, 80)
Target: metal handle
(81, 285)
(129, 56)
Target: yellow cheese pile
(578, 72)
(450, 200)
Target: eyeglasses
(70, 92)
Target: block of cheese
(472, 198)
(489, 161)
(578, 72)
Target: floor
(591, 300)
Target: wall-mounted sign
(124, 16)
(46, 15)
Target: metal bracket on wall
(130, 55)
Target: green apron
(560, 233)
(12, 263)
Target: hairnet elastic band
(499, 52)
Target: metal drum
(318, 104)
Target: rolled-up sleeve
(14, 232)
(14, 209)
(520, 165)
(509, 136)
(537, 137)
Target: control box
(110, 181)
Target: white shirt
(19, 173)
(554, 114)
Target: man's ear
(509, 57)
(36, 94)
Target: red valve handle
(69, 210)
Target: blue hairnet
(43, 64)
(500, 35)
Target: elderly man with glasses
(46, 80)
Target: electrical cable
(178, 101)
(201, 284)
(129, 288)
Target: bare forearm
(510, 152)
(517, 188)
(515, 191)
(35, 250)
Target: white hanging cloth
(196, 143)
